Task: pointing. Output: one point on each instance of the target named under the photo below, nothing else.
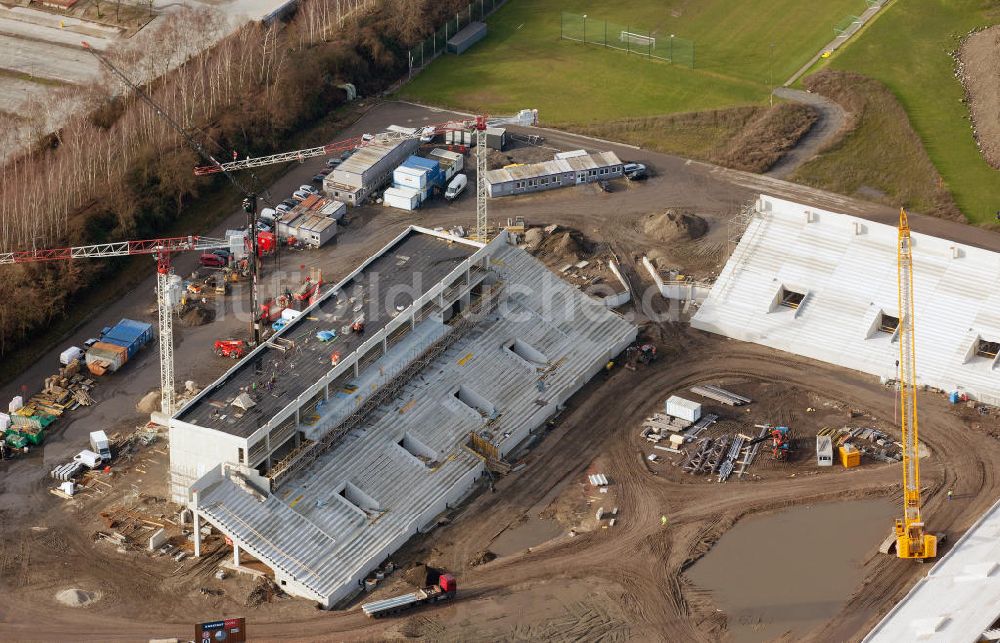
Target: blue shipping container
(434, 174)
(130, 334)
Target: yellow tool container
(849, 456)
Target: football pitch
(741, 49)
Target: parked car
(332, 163)
(634, 171)
(90, 342)
(268, 215)
(308, 188)
(367, 137)
(322, 175)
(291, 203)
(346, 155)
(222, 252)
(301, 195)
(282, 208)
(263, 227)
(212, 260)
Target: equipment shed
(467, 37)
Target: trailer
(444, 590)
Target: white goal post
(638, 39)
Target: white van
(268, 216)
(456, 187)
(70, 354)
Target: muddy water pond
(530, 533)
(784, 573)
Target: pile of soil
(567, 246)
(197, 316)
(671, 226)
(149, 403)
(978, 67)
(533, 237)
(77, 597)
(416, 575)
(482, 558)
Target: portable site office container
(104, 358)
(432, 166)
(334, 210)
(451, 163)
(547, 175)
(410, 177)
(683, 409)
(496, 138)
(403, 198)
(367, 170)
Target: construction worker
(951, 494)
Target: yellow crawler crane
(911, 541)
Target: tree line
(116, 170)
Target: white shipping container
(288, 314)
(570, 155)
(683, 409)
(15, 404)
(402, 198)
(410, 177)
(4, 422)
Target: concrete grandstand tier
(959, 600)
(823, 285)
(501, 351)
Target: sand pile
(77, 597)
(673, 226)
(149, 403)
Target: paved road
(46, 60)
(831, 119)
(839, 41)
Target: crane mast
(911, 541)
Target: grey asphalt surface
(711, 191)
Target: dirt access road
(561, 576)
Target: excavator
(911, 541)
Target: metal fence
(436, 44)
(631, 39)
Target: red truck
(443, 591)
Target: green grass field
(523, 62)
(907, 49)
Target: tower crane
(162, 249)
(479, 124)
(911, 541)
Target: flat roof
(550, 168)
(959, 599)
(404, 271)
(365, 157)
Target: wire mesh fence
(437, 43)
(632, 39)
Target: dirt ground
(589, 582)
(979, 65)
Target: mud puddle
(785, 573)
(529, 533)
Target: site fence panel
(631, 39)
(437, 43)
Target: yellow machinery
(911, 541)
(850, 457)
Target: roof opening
(417, 449)
(527, 352)
(987, 349)
(887, 324)
(790, 298)
(475, 401)
(358, 498)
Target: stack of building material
(720, 394)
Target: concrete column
(197, 535)
(385, 344)
(236, 554)
(356, 371)
(413, 320)
(326, 391)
